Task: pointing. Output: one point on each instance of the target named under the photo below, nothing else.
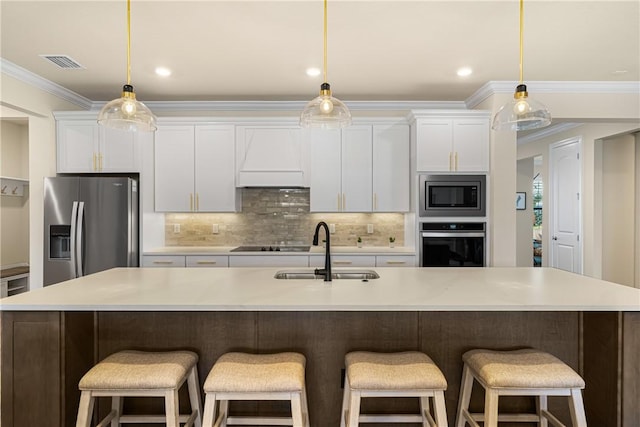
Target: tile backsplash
(279, 216)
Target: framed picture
(521, 201)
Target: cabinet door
(391, 168)
(357, 165)
(434, 145)
(324, 180)
(268, 261)
(174, 163)
(215, 185)
(163, 261)
(77, 146)
(207, 261)
(270, 156)
(395, 261)
(471, 145)
(118, 151)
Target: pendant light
(126, 112)
(521, 113)
(325, 111)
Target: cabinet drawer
(344, 260)
(207, 261)
(269, 261)
(395, 261)
(163, 261)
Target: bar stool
(136, 374)
(243, 376)
(404, 374)
(525, 372)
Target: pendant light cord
(325, 41)
(128, 42)
(521, 40)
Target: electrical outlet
(176, 228)
(370, 228)
(332, 228)
(215, 228)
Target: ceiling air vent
(63, 61)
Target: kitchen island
(52, 336)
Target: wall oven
(453, 244)
(452, 195)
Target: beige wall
(618, 209)
(592, 205)
(14, 211)
(524, 218)
(35, 104)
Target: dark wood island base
(44, 354)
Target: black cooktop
(271, 248)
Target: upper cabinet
(458, 143)
(194, 169)
(83, 146)
(363, 168)
(270, 156)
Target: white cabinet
(395, 261)
(163, 261)
(207, 261)
(452, 144)
(391, 174)
(194, 169)
(344, 261)
(363, 168)
(270, 156)
(268, 261)
(83, 146)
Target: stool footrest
(160, 419)
(396, 418)
(252, 421)
(107, 420)
(551, 418)
(509, 418)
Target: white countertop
(397, 289)
(335, 250)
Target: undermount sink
(336, 274)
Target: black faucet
(326, 272)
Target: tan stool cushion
(139, 370)
(410, 370)
(526, 368)
(243, 372)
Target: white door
(391, 168)
(325, 180)
(214, 177)
(118, 150)
(357, 169)
(565, 171)
(471, 145)
(174, 163)
(434, 145)
(77, 146)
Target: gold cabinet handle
(450, 160)
(207, 262)
(375, 201)
(190, 201)
(456, 157)
(395, 262)
(94, 161)
(344, 201)
(339, 204)
(100, 157)
(197, 201)
(163, 262)
(343, 262)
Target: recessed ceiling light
(464, 71)
(313, 72)
(163, 71)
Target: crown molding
(546, 132)
(32, 79)
(245, 106)
(494, 87)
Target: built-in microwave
(452, 195)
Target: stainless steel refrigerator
(90, 225)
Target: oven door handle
(452, 234)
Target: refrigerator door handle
(74, 226)
(79, 238)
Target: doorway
(565, 226)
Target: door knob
(554, 238)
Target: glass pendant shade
(127, 113)
(521, 113)
(325, 111)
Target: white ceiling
(378, 50)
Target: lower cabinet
(163, 261)
(395, 261)
(268, 261)
(207, 261)
(344, 260)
